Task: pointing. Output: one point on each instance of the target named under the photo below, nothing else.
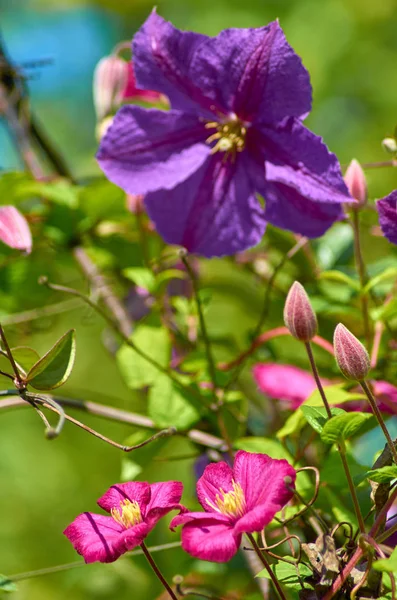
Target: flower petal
(209, 537)
(216, 476)
(164, 497)
(297, 158)
(284, 382)
(100, 538)
(263, 482)
(137, 491)
(214, 212)
(387, 209)
(254, 73)
(386, 396)
(163, 58)
(148, 149)
(14, 229)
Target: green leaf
(317, 417)
(25, 357)
(6, 585)
(387, 565)
(344, 426)
(336, 394)
(54, 368)
(383, 475)
(142, 277)
(171, 406)
(60, 192)
(287, 575)
(295, 423)
(385, 312)
(137, 372)
(340, 277)
(135, 462)
(389, 273)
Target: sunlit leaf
(383, 474)
(54, 368)
(6, 585)
(170, 406)
(344, 426)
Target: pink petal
(14, 229)
(100, 538)
(215, 477)
(284, 382)
(165, 496)
(137, 491)
(264, 482)
(386, 396)
(210, 538)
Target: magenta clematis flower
(14, 229)
(135, 508)
(234, 131)
(387, 209)
(285, 382)
(237, 500)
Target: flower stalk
(362, 275)
(379, 418)
(267, 566)
(157, 571)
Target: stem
(11, 358)
(341, 446)
(157, 571)
(379, 417)
(362, 275)
(143, 238)
(266, 565)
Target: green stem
(380, 420)
(341, 446)
(11, 358)
(362, 276)
(267, 566)
(157, 571)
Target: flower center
(229, 136)
(128, 514)
(230, 503)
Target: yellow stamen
(128, 514)
(230, 503)
(229, 136)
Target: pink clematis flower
(237, 500)
(14, 229)
(135, 508)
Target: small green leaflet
(317, 416)
(387, 565)
(54, 368)
(6, 585)
(291, 576)
(344, 426)
(383, 475)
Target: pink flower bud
(110, 82)
(351, 356)
(299, 316)
(133, 92)
(356, 182)
(14, 229)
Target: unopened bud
(356, 183)
(110, 82)
(351, 356)
(299, 316)
(390, 145)
(14, 229)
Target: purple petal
(137, 491)
(263, 482)
(163, 57)
(387, 209)
(297, 158)
(148, 149)
(14, 229)
(284, 382)
(254, 73)
(165, 496)
(100, 538)
(214, 213)
(209, 537)
(216, 476)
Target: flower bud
(110, 82)
(390, 145)
(356, 183)
(299, 316)
(351, 356)
(14, 229)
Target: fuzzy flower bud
(356, 183)
(299, 316)
(390, 145)
(110, 82)
(351, 356)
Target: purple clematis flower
(234, 131)
(237, 500)
(387, 209)
(135, 508)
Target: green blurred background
(350, 49)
